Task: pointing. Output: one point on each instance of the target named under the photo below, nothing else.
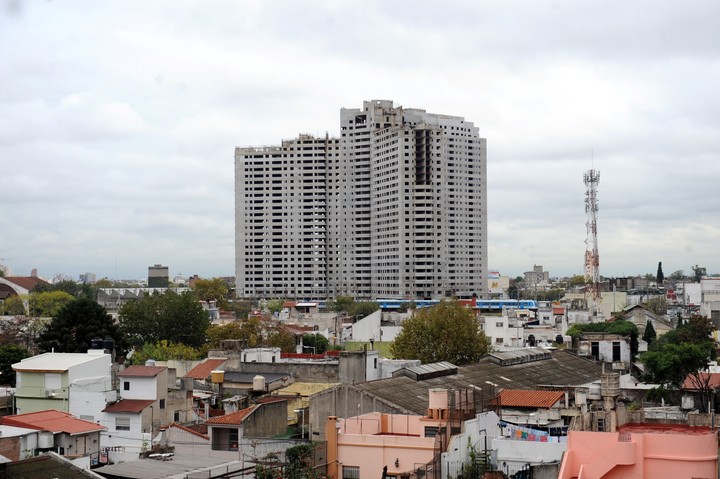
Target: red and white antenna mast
(592, 258)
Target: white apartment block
(395, 208)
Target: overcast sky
(118, 121)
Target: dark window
(162, 404)
(595, 350)
(616, 350)
(176, 416)
(431, 431)
(126, 385)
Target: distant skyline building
(158, 276)
(394, 208)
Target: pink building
(360, 447)
(642, 450)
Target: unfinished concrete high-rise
(394, 208)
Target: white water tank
(45, 440)
(259, 383)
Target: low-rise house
(538, 408)
(77, 383)
(373, 444)
(17, 443)
(606, 347)
(149, 399)
(263, 420)
(61, 432)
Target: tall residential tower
(394, 208)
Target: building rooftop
(129, 405)
(555, 370)
(530, 398)
(234, 418)
(55, 362)
(142, 371)
(53, 421)
(179, 466)
(203, 370)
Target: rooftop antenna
(592, 257)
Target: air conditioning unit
(51, 393)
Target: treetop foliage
(177, 318)
(446, 332)
(215, 289)
(76, 325)
(164, 351)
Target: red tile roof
(703, 380)
(129, 405)
(289, 304)
(203, 370)
(234, 418)
(27, 282)
(187, 429)
(53, 421)
(142, 371)
(528, 398)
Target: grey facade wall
(268, 420)
(345, 401)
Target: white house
(78, 383)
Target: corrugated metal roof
(561, 368)
(532, 398)
(427, 371)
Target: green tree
(446, 332)
(164, 351)
(49, 303)
(315, 343)
(363, 308)
(283, 339)
(577, 280)
(343, 304)
(657, 305)
(275, 305)
(660, 277)
(76, 325)
(9, 355)
(215, 289)
(698, 273)
(241, 308)
(177, 318)
(14, 306)
(70, 287)
(649, 335)
(678, 275)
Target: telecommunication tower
(592, 258)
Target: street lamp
(302, 422)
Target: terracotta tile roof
(53, 421)
(711, 380)
(202, 370)
(187, 429)
(129, 405)
(234, 418)
(27, 282)
(142, 371)
(289, 304)
(529, 398)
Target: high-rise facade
(394, 208)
